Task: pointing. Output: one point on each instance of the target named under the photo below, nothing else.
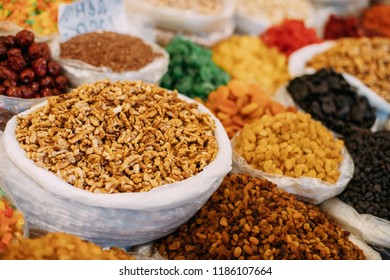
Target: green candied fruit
(191, 69)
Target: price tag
(91, 15)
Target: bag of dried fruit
(203, 21)
(12, 223)
(255, 16)
(121, 163)
(295, 152)
(341, 56)
(363, 207)
(94, 56)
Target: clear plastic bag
(307, 189)
(373, 230)
(110, 220)
(297, 67)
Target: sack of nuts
(136, 159)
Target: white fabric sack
(184, 20)
(122, 219)
(373, 230)
(163, 37)
(307, 189)
(79, 72)
(297, 67)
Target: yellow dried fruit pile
(247, 58)
(291, 144)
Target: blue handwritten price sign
(91, 15)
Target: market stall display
(175, 97)
(289, 36)
(250, 218)
(61, 246)
(123, 57)
(248, 59)
(191, 69)
(240, 102)
(159, 155)
(27, 72)
(295, 152)
(328, 97)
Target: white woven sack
(122, 219)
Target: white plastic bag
(373, 230)
(307, 189)
(79, 72)
(110, 220)
(184, 20)
(297, 67)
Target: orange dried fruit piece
(249, 108)
(238, 88)
(222, 93)
(227, 106)
(242, 101)
(277, 108)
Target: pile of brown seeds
(117, 51)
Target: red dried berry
(14, 92)
(7, 74)
(27, 92)
(47, 82)
(16, 64)
(54, 68)
(46, 92)
(62, 82)
(35, 87)
(14, 52)
(24, 38)
(40, 67)
(10, 41)
(27, 76)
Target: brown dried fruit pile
(109, 49)
(119, 137)
(61, 246)
(250, 218)
(26, 68)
